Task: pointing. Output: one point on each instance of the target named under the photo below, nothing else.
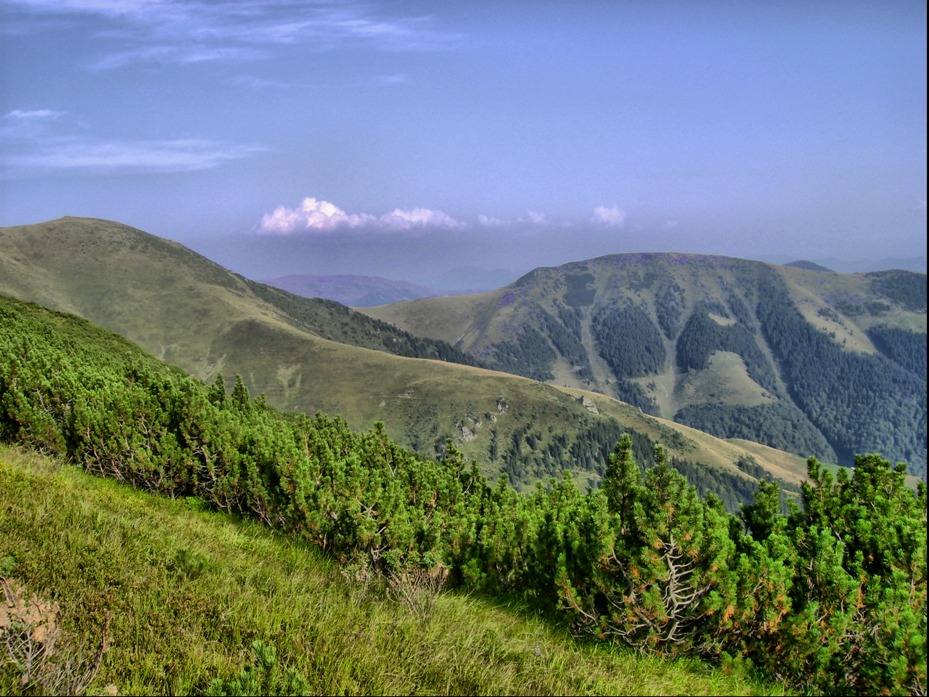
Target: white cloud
(319, 216)
(315, 215)
(610, 216)
(312, 214)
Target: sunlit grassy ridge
(183, 593)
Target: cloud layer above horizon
(317, 216)
(314, 215)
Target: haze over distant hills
(310, 355)
(916, 263)
(370, 291)
(357, 291)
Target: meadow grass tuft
(178, 596)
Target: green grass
(179, 595)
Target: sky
(462, 144)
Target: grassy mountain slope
(162, 295)
(179, 595)
(804, 360)
(185, 309)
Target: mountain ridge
(189, 311)
(712, 341)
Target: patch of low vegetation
(187, 601)
(830, 597)
(37, 657)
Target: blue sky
(413, 140)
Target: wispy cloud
(23, 124)
(317, 216)
(535, 218)
(259, 83)
(490, 221)
(197, 31)
(37, 141)
(376, 81)
(33, 115)
(153, 156)
(179, 55)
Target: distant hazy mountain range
(917, 264)
(356, 291)
(371, 291)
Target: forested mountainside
(804, 360)
(830, 597)
(298, 353)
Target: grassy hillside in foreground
(179, 595)
(310, 356)
(642, 561)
